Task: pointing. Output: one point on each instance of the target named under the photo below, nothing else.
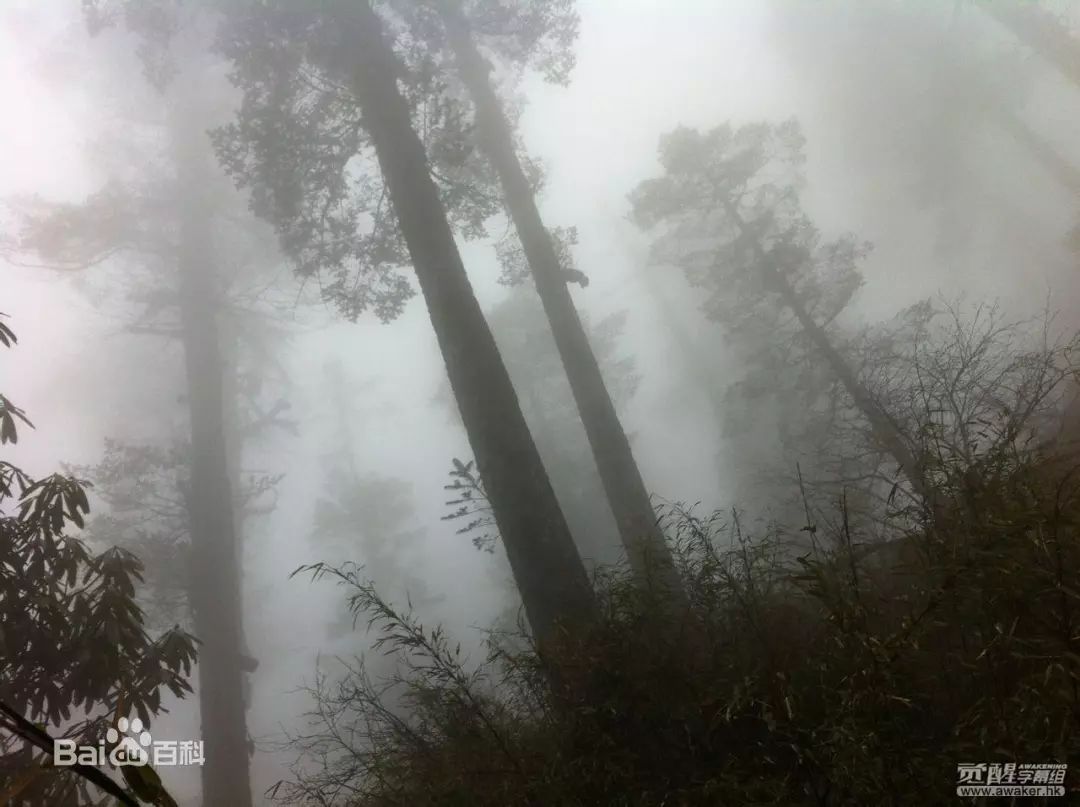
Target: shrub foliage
(836, 673)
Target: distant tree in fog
(165, 217)
(1048, 34)
(937, 389)
(363, 516)
(726, 210)
(924, 129)
(144, 486)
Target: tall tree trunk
(547, 568)
(1042, 32)
(235, 438)
(626, 493)
(215, 584)
(970, 102)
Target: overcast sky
(642, 68)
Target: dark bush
(829, 672)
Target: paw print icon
(131, 743)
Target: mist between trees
(721, 457)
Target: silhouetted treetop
(299, 146)
(728, 199)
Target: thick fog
(901, 106)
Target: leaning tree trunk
(626, 493)
(884, 430)
(549, 572)
(215, 578)
(1042, 32)
(1048, 37)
